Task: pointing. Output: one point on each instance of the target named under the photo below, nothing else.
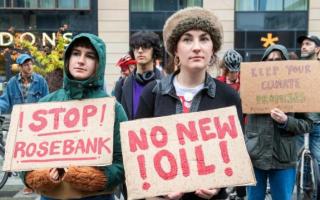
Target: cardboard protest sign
(291, 86)
(184, 152)
(59, 134)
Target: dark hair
(146, 39)
(81, 42)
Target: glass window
(188, 3)
(31, 3)
(142, 5)
(65, 4)
(1, 3)
(18, 3)
(246, 5)
(295, 4)
(270, 5)
(82, 4)
(47, 4)
(166, 5)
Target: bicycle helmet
(125, 61)
(232, 60)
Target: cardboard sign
(184, 152)
(291, 86)
(60, 134)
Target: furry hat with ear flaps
(192, 18)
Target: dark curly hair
(146, 39)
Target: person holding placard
(192, 37)
(83, 79)
(270, 140)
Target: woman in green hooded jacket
(83, 79)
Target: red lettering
(102, 145)
(19, 147)
(162, 132)
(71, 118)
(226, 127)
(204, 127)
(202, 168)
(68, 147)
(190, 132)
(43, 146)
(56, 112)
(36, 116)
(54, 146)
(172, 163)
(135, 140)
(31, 149)
(88, 111)
(184, 162)
(92, 146)
(80, 146)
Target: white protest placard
(291, 86)
(60, 134)
(185, 152)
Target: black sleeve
(118, 89)
(147, 101)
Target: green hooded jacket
(93, 88)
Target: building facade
(249, 25)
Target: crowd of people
(192, 38)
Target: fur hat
(192, 18)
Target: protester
(127, 66)
(231, 69)
(270, 140)
(310, 48)
(25, 87)
(192, 37)
(83, 79)
(145, 49)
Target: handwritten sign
(288, 85)
(184, 152)
(59, 134)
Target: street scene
(159, 99)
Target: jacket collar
(167, 87)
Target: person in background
(231, 69)
(127, 66)
(310, 48)
(192, 38)
(84, 67)
(25, 87)
(145, 50)
(270, 140)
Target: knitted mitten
(39, 180)
(89, 179)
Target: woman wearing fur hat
(192, 37)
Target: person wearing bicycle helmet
(231, 67)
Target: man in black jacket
(145, 49)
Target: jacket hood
(276, 47)
(79, 88)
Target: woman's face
(194, 50)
